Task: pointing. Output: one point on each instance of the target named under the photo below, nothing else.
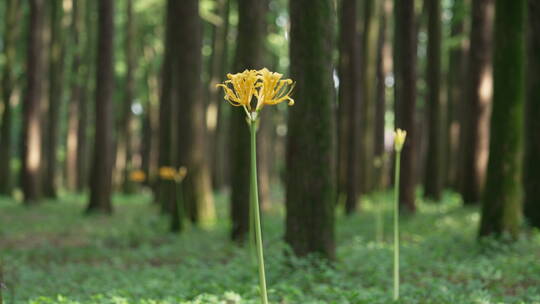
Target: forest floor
(54, 254)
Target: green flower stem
(396, 226)
(255, 210)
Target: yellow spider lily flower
(273, 89)
(243, 88)
(399, 139)
(137, 176)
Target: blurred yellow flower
(167, 173)
(243, 88)
(137, 176)
(273, 89)
(399, 139)
(170, 173)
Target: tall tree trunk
(190, 114)
(12, 11)
(218, 64)
(433, 174)
(31, 139)
(369, 79)
(248, 55)
(56, 71)
(384, 68)
(166, 193)
(455, 94)
(310, 167)
(477, 108)
(405, 35)
(88, 84)
(72, 140)
(101, 179)
(349, 105)
(532, 123)
(501, 209)
(124, 148)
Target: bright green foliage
(53, 254)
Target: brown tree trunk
(191, 152)
(31, 139)
(501, 204)
(75, 98)
(349, 106)
(455, 94)
(369, 80)
(101, 178)
(384, 68)
(310, 192)
(56, 71)
(478, 103)
(124, 148)
(433, 170)
(248, 55)
(532, 123)
(405, 35)
(12, 11)
(218, 64)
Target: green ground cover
(53, 254)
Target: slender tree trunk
(369, 79)
(310, 192)
(166, 193)
(56, 71)
(215, 100)
(349, 105)
(478, 103)
(384, 69)
(532, 123)
(8, 83)
(197, 187)
(72, 141)
(124, 149)
(87, 88)
(31, 139)
(455, 94)
(248, 55)
(101, 179)
(405, 35)
(433, 174)
(501, 209)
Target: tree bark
(248, 55)
(478, 103)
(405, 43)
(56, 71)
(433, 174)
(125, 134)
(218, 64)
(369, 80)
(12, 11)
(197, 187)
(501, 208)
(31, 139)
(310, 192)
(101, 179)
(349, 106)
(165, 192)
(455, 94)
(72, 140)
(532, 123)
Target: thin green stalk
(255, 207)
(396, 226)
